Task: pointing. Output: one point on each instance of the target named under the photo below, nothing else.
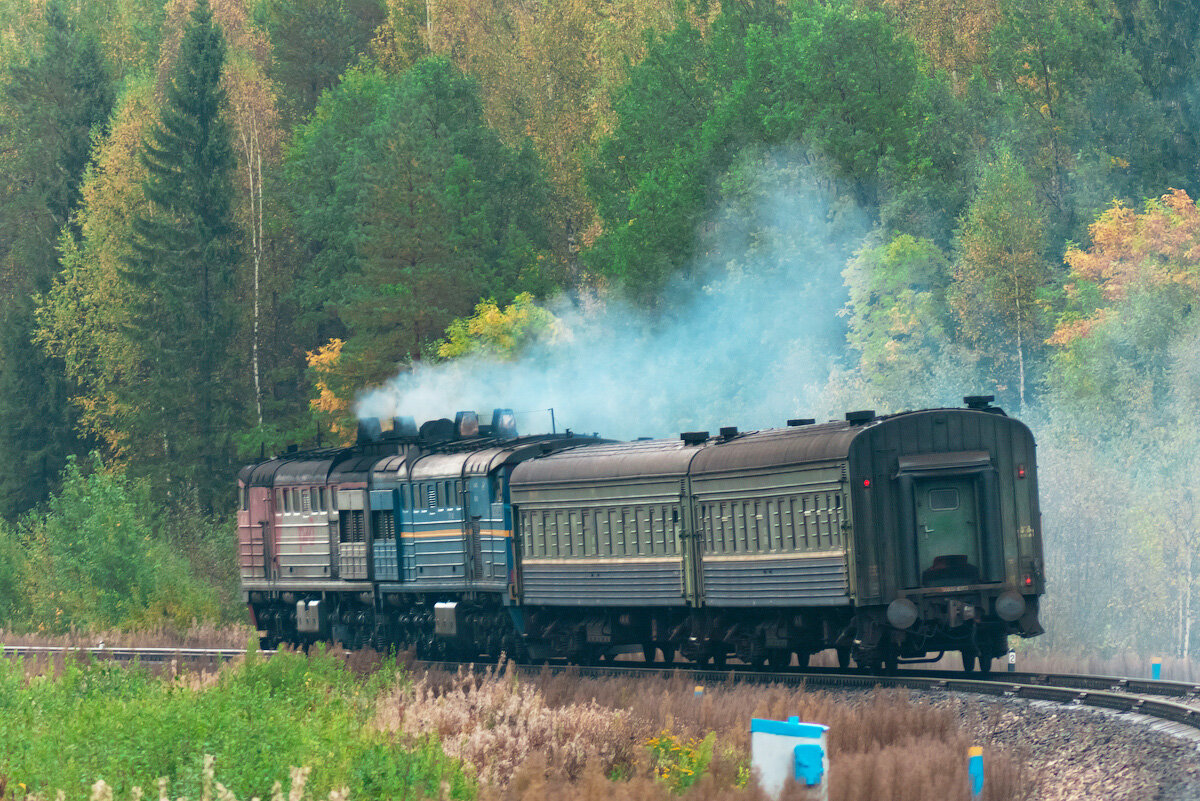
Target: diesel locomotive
(886, 538)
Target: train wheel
(843, 658)
(802, 658)
(718, 660)
(968, 660)
(668, 654)
(779, 658)
(985, 664)
(648, 651)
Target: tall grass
(95, 721)
(361, 725)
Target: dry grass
(563, 736)
(198, 636)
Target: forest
(227, 226)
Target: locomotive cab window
(944, 499)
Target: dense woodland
(222, 220)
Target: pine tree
(51, 106)
(185, 250)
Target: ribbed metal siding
(353, 560)
(387, 565)
(434, 562)
(590, 583)
(803, 580)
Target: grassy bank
(369, 728)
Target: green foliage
(415, 210)
(91, 559)
(183, 404)
(680, 764)
(315, 41)
(839, 80)
(496, 333)
(50, 107)
(1001, 269)
(258, 719)
(901, 323)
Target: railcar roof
(661, 457)
(306, 471)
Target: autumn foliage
(1133, 252)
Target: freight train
(885, 538)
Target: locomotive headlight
(902, 613)
(1010, 605)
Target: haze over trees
(221, 220)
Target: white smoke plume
(749, 341)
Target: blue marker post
(975, 769)
(1156, 668)
(699, 690)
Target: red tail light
(866, 483)
(1020, 471)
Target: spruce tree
(185, 251)
(51, 106)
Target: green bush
(258, 719)
(96, 556)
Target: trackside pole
(1156, 668)
(975, 769)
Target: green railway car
(886, 538)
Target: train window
(944, 499)
(430, 493)
(286, 506)
(295, 501)
(497, 488)
(458, 493)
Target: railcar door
(947, 531)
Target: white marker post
(779, 750)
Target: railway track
(1142, 697)
(1172, 706)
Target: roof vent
(369, 429)
(694, 437)
(404, 427)
(466, 424)
(729, 432)
(978, 402)
(504, 424)
(860, 417)
(435, 432)
(801, 421)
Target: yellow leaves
(496, 332)
(330, 404)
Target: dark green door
(947, 531)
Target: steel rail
(1133, 696)
(1129, 695)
